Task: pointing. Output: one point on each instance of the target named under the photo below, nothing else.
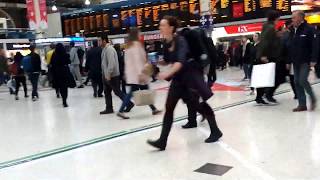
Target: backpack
(80, 53)
(27, 64)
(198, 50)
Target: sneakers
(300, 109)
(122, 115)
(107, 111)
(17, 98)
(35, 98)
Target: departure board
(106, 21)
(250, 6)
(99, 21)
(92, 22)
(224, 4)
(184, 12)
(148, 18)
(125, 19)
(283, 5)
(174, 9)
(115, 21)
(214, 7)
(194, 9)
(132, 17)
(67, 27)
(73, 26)
(79, 24)
(139, 12)
(86, 24)
(165, 8)
(155, 17)
(265, 4)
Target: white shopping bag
(144, 97)
(263, 75)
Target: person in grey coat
(111, 75)
(75, 64)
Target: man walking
(111, 75)
(34, 72)
(75, 64)
(303, 54)
(93, 64)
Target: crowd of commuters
(294, 48)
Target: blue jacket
(303, 46)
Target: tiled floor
(258, 142)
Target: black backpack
(198, 50)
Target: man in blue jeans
(35, 72)
(303, 54)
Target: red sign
(43, 14)
(31, 14)
(238, 10)
(245, 28)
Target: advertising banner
(31, 14)
(43, 14)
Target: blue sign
(206, 21)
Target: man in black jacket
(303, 54)
(93, 64)
(35, 72)
(245, 56)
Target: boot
(208, 113)
(161, 145)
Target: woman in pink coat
(135, 59)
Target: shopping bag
(263, 75)
(144, 97)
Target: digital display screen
(132, 17)
(73, 26)
(106, 21)
(174, 9)
(148, 17)
(250, 6)
(165, 8)
(116, 21)
(125, 19)
(67, 27)
(194, 9)
(79, 24)
(139, 13)
(92, 20)
(99, 21)
(86, 24)
(265, 4)
(156, 17)
(184, 12)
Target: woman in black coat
(60, 72)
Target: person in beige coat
(135, 60)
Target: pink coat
(135, 58)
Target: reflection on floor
(259, 142)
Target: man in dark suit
(245, 56)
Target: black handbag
(70, 80)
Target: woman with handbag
(60, 72)
(136, 71)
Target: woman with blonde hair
(135, 59)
